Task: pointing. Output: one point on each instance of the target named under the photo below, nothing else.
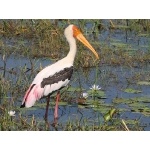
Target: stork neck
(73, 49)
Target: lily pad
(95, 103)
(129, 90)
(122, 100)
(122, 27)
(143, 82)
(119, 44)
(143, 35)
(145, 111)
(133, 122)
(26, 109)
(73, 89)
(97, 93)
(123, 109)
(103, 108)
(142, 99)
(130, 51)
(138, 105)
(52, 103)
(131, 100)
(81, 106)
(62, 103)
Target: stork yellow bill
(81, 38)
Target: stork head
(73, 31)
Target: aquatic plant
(95, 87)
(123, 73)
(11, 113)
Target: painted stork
(56, 76)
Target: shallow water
(112, 80)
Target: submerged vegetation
(124, 50)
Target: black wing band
(62, 75)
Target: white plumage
(57, 75)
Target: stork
(56, 76)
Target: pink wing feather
(34, 93)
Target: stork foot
(54, 124)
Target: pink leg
(47, 106)
(56, 105)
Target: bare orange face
(77, 34)
(76, 31)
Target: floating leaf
(51, 103)
(130, 51)
(122, 27)
(103, 108)
(129, 90)
(143, 35)
(142, 99)
(138, 105)
(26, 109)
(122, 100)
(136, 102)
(119, 44)
(143, 82)
(131, 121)
(62, 103)
(145, 111)
(95, 103)
(97, 93)
(73, 89)
(123, 109)
(81, 106)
